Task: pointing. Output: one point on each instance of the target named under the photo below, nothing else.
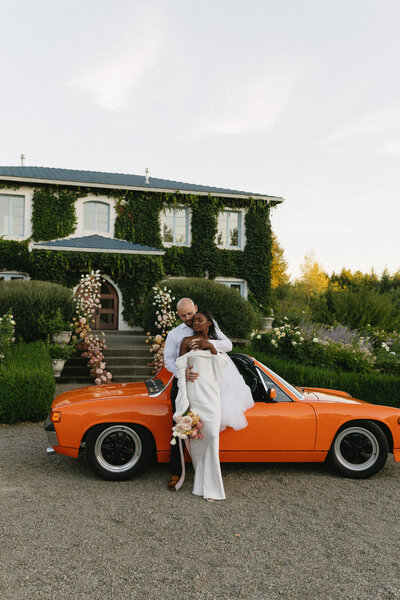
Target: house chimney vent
(147, 175)
(23, 157)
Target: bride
(216, 410)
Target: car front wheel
(117, 452)
(359, 450)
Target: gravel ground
(285, 531)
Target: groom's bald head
(186, 310)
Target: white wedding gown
(220, 397)
(236, 398)
(203, 397)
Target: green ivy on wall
(203, 256)
(14, 256)
(53, 213)
(138, 221)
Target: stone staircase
(127, 357)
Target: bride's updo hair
(211, 330)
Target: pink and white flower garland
(165, 321)
(91, 345)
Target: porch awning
(97, 243)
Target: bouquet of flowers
(188, 425)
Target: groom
(186, 310)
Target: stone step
(73, 379)
(132, 357)
(125, 379)
(71, 371)
(130, 360)
(118, 367)
(127, 334)
(130, 370)
(139, 351)
(117, 379)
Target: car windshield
(290, 387)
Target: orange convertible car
(122, 427)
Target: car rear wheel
(117, 451)
(359, 450)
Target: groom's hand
(199, 344)
(191, 375)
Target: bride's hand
(199, 344)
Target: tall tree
(313, 279)
(279, 265)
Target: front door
(107, 315)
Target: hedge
(234, 315)
(371, 387)
(30, 299)
(27, 383)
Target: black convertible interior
(247, 369)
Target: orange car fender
(330, 418)
(78, 420)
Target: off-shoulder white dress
(203, 398)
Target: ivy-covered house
(56, 224)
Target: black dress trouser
(175, 460)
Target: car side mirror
(271, 395)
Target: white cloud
(392, 147)
(111, 82)
(378, 122)
(253, 106)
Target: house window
(175, 226)
(229, 231)
(240, 285)
(10, 275)
(96, 216)
(12, 214)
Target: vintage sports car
(123, 427)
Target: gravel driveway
(285, 531)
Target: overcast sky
(294, 98)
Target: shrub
(26, 383)
(234, 315)
(32, 300)
(291, 301)
(357, 309)
(371, 387)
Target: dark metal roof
(97, 243)
(116, 180)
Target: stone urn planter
(62, 338)
(58, 365)
(267, 323)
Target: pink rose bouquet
(187, 425)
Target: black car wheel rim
(356, 448)
(118, 448)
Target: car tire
(118, 451)
(359, 450)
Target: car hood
(100, 392)
(324, 395)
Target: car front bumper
(51, 433)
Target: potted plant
(267, 321)
(59, 355)
(57, 327)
